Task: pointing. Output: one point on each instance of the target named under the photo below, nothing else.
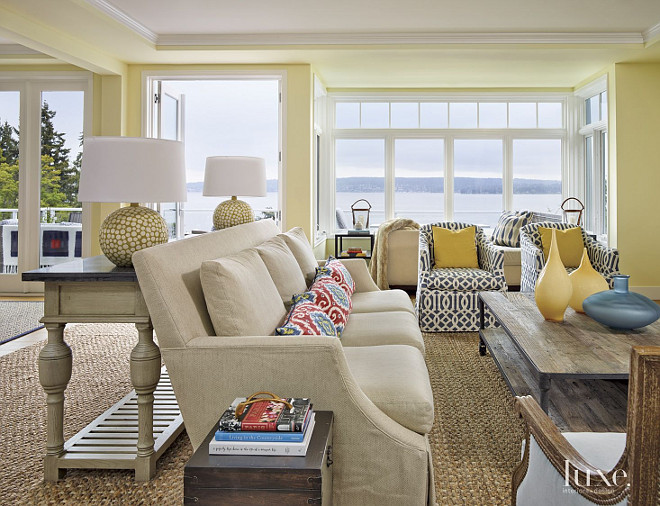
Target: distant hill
(428, 185)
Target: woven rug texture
(475, 439)
(18, 318)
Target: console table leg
(55, 362)
(145, 373)
(544, 387)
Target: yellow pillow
(569, 242)
(454, 249)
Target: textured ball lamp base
(231, 213)
(130, 229)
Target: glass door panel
(478, 169)
(419, 166)
(9, 157)
(62, 118)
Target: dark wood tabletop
(97, 268)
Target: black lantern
(361, 215)
(572, 215)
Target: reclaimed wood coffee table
(576, 355)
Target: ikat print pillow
(507, 230)
(307, 319)
(337, 271)
(331, 298)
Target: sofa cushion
(391, 327)
(337, 271)
(396, 380)
(283, 267)
(383, 300)
(507, 230)
(297, 242)
(307, 319)
(331, 298)
(454, 248)
(461, 280)
(511, 255)
(240, 295)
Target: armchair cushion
(396, 380)
(307, 319)
(239, 285)
(569, 243)
(454, 248)
(507, 230)
(283, 267)
(461, 279)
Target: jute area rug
(475, 440)
(18, 318)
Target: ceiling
(350, 43)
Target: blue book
(268, 437)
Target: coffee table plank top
(580, 347)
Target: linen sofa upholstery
(447, 297)
(381, 449)
(605, 260)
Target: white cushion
(297, 242)
(396, 380)
(383, 300)
(240, 295)
(283, 268)
(543, 485)
(374, 329)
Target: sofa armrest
(211, 371)
(425, 260)
(357, 268)
(604, 259)
(531, 263)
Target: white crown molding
(652, 33)
(312, 39)
(124, 19)
(18, 50)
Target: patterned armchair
(447, 297)
(605, 260)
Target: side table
(240, 479)
(339, 243)
(93, 290)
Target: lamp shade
(235, 176)
(132, 169)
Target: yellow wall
(297, 134)
(637, 160)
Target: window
(594, 167)
(447, 158)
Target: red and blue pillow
(337, 271)
(326, 293)
(306, 319)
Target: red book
(267, 416)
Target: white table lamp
(132, 169)
(231, 176)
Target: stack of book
(265, 428)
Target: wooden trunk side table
(128, 435)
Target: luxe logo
(618, 475)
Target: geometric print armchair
(605, 260)
(447, 298)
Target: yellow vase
(586, 281)
(553, 287)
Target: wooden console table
(134, 432)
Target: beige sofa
(374, 378)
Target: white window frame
(31, 85)
(595, 219)
(449, 135)
(151, 77)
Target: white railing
(49, 212)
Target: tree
(9, 143)
(57, 156)
(51, 184)
(8, 166)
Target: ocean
(480, 209)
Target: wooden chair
(635, 476)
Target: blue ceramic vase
(620, 308)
